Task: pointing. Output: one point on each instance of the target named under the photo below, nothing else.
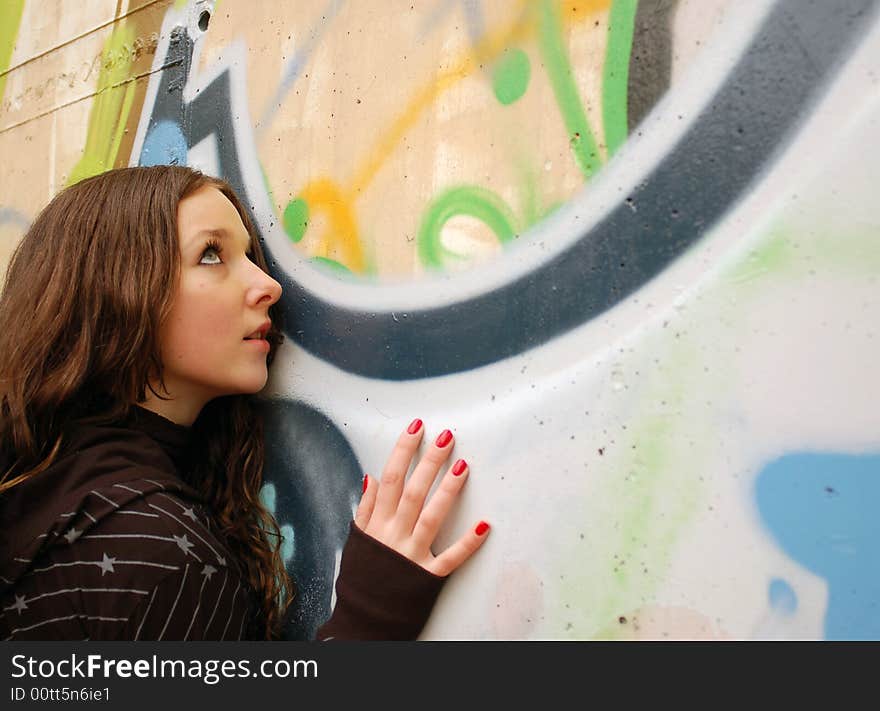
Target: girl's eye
(211, 255)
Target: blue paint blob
(9, 215)
(267, 496)
(287, 545)
(822, 510)
(782, 597)
(165, 145)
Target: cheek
(198, 323)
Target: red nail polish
(414, 426)
(481, 528)
(366, 482)
(444, 438)
(459, 467)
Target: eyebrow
(221, 234)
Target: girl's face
(213, 342)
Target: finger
(435, 511)
(368, 501)
(395, 470)
(461, 550)
(416, 489)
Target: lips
(260, 333)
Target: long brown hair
(85, 293)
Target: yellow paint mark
(488, 48)
(10, 17)
(113, 101)
(578, 10)
(324, 195)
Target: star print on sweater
(141, 548)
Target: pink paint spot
(519, 602)
(666, 623)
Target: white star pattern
(189, 513)
(20, 604)
(221, 560)
(208, 571)
(106, 565)
(184, 544)
(72, 535)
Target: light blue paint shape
(267, 496)
(782, 597)
(9, 215)
(295, 65)
(287, 545)
(473, 12)
(165, 145)
(822, 510)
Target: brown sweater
(110, 543)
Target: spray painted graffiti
(600, 285)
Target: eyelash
(215, 246)
(211, 246)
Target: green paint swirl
(296, 219)
(511, 76)
(469, 200)
(550, 40)
(332, 265)
(615, 74)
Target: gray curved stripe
(650, 62)
(746, 124)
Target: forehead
(209, 210)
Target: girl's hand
(393, 510)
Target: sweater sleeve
(380, 594)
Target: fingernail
(414, 426)
(459, 467)
(366, 482)
(481, 528)
(444, 438)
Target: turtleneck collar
(174, 439)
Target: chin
(248, 386)
(256, 385)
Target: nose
(264, 290)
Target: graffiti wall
(628, 251)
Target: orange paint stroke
(323, 195)
(574, 11)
